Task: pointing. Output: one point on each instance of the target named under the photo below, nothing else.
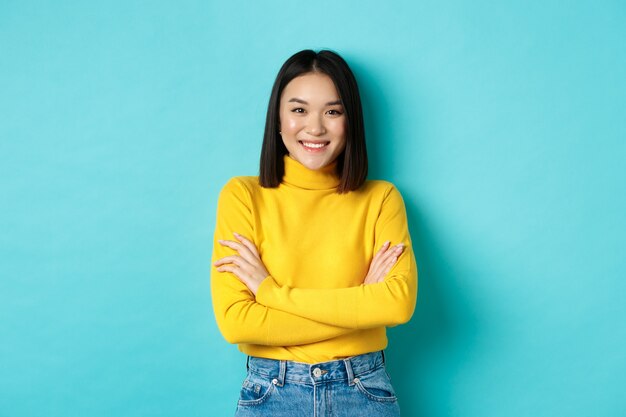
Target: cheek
(339, 128)
(292, 124)
(289, 124)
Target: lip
(316, 148)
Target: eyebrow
(298, 100)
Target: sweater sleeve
(386, 303)
(239, 317)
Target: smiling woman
(311, 279)
(312, 120)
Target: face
(312, 120)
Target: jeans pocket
(255, 390)
(376, 386)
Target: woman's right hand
(383, 260)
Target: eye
(297, 110)
(334, 112)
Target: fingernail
(236, 234)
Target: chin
(314, 164)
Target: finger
(388, 250)
(388, 268)
(240, 248)
(385, 270)
(228, 268)
(397, 248)
(379, 259)
(239, 273)
(233, 259)
(383, 258)
(247, 243)
(378, 265)
(394, 251)
(383, 261)
(383, 248)
(380, 255)
(231, 244)
(389, 262)
(392, 260)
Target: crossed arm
(253, 308)
(248, 321)
(249, 268)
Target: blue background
(502, 124)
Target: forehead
(311, 87)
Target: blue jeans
(355, 386)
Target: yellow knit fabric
(317, 246)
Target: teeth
(313, 145)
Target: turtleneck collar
(300, 176)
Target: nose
(315, 126)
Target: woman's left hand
(247, 266)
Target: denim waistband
(342, 369)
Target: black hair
(352, 162)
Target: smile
(313, 146)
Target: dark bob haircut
(352, 162)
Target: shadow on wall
(427, 346)
(434, 346)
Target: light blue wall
(503, 125)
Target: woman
(298, 282)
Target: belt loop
(349, 371)
(383, 353)
(281, 373)
(248, 363)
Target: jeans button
(317, 372)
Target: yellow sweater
(317, 246)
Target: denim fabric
(356, 386)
